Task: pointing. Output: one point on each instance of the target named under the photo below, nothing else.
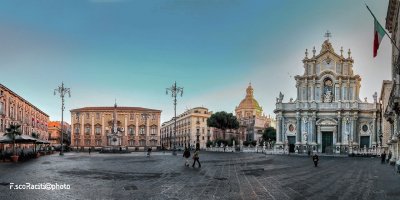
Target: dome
(249, 102)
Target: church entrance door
(291, 141)
(327, 142)
(364, 142)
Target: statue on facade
(375, 97)
(328, 97)
(281, 97)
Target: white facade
(327, 115)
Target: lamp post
(62, 91)
(380, 141)
(174, 90)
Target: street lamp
(174, 92)
(62, 91)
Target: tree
(269, 134)
(223, 120)
(13, 131)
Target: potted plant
(11, 132)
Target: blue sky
(133, 50)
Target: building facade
(252, 121)
(327, 115)
(392, 111)
(192, 130)
(16, 110)
(132, 128)
(54, 131)
(386, 128)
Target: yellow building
(16, 110)
(252, 121)
(133, 128)
(192, 130)
(54, 129)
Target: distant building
(54, 131)
(192, 130)
(16, 110)
(252, 121)
(327, 115)
(122, 127)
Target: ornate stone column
(279, 130)
(374, 131)
(314, 130)
(355, 130)
(298, 128)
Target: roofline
(108, 108)
(15, 94)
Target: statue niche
(328, 92)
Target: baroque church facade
(327, 115)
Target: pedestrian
(309, 152)
(383, 157)
(315, 159)
(186, 155)
(389, 156)
(148, 152)
(196, 158)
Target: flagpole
(393, 42)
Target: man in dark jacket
(186, 155)
(383, 157)
(315, 160)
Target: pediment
(327, 122)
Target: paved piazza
(222, 176)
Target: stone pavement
(222, 176)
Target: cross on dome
(328, 35)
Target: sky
(132, 51)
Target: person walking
(186, 155)
(383, 157)
(196, 158)
(389, 156)
(315, 160)
(90, 149)
(148, 152)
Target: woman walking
(186, 155)
(196, 158)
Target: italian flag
(379, 32)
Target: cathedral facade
(327, 115)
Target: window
(1, 124)
(77, 116)
(153, 130)
(131, 130)
(131, 116)
(98, 142)
(87, 142)
(87, 130)
(142, 142)
(77, 129)
(98, 130)
(131, 142)
(87, 116)
(365, 128)
(1, 108)
(97, 115)
(142, 130)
